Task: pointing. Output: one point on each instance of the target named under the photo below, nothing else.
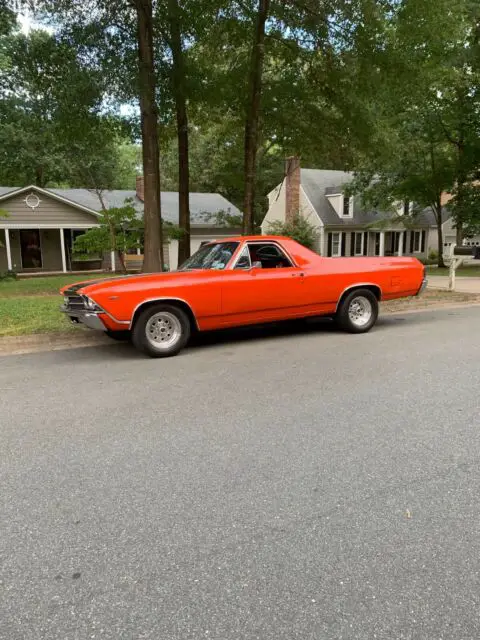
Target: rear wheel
(358, 311)
(161, 330)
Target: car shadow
(271, 332)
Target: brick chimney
(292, 187)
(139, 188)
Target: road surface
(262, 485)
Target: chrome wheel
(163, 330)
(360, 311)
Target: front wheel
(358, 311)
(161, 330)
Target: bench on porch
(133, 262)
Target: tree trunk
(153, 244)
(39, 177)
(253, 114)
(180, 95)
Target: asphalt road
(264, 485)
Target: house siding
(276, 213)
(48, 212)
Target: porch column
(112, 260)
(9, 252)
(382, 243)
(62, 247)
(400, 244)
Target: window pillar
(400, 244)
(382, 243)
(9, 251)
(62, 247)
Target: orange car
(241, 281)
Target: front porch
(45, 251)
(360, 242)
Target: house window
(336, 244)
(358, 240)
(334, 248)
(418, 241)
(347, 207)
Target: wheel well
(375, 289)
(174, 303)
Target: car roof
(246, 238)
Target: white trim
(130, 322)
(40, 225)
(112, 260)
(55, 196)
(356, 286)
(9, 251)
(62, 249)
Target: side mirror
(256, 265)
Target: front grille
(74, 303)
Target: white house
(344, 227)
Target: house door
(31, 249)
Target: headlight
(66, 300)
(90, 304)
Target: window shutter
(353, 240)
(329, 245)
(365, 243)
(424, 233)
(344, 244)
(412, 239)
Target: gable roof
(318, 183)
(202, 205)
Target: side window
(243, 261)
(269, 255)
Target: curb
(36, 343)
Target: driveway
(262, 485)
(463, 285)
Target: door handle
(300, 275)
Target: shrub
(433, 255)
(298, 229)
(8, 275)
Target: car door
(252, 292)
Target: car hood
(123, 283)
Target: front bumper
(89, 318)
(423, 286)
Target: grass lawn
(48, 285)
(468, 272)
(31, 305)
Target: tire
(161, 331)
(120, 336)
(358, 311)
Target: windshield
(211, 256)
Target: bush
(8, 275)
(433, 255)
(298, 229)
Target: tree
(153, 250)
(254, 94)
(299, 229)
(117, 41)
(119, 231)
